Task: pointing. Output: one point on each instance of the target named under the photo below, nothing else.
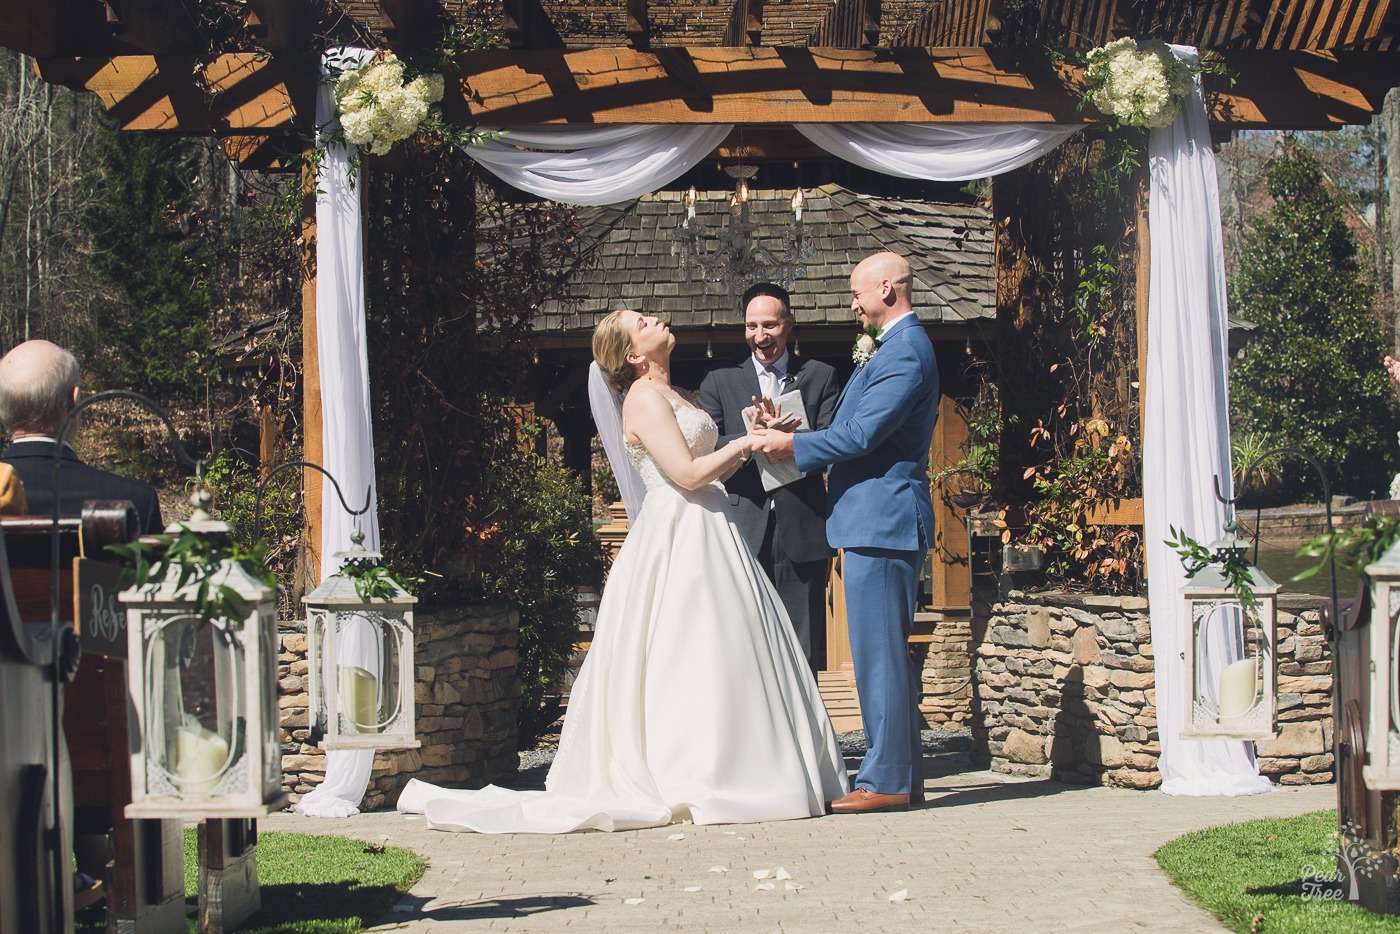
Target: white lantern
(1231, 660)
(1381, 771)
(360, 662)
(204, 695)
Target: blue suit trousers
(881, 589)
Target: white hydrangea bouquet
(1141, 85)
(378, 108)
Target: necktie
(771, 387)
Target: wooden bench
(145, 878)
(36, 887)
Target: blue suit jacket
(877, 447)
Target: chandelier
(736, 261)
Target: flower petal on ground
(676, 836)
(899, 896)
(633, 901)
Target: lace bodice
(700, 436)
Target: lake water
(1279, 560)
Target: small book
(781, 474)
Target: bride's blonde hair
(611, 344)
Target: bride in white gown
(694, 700)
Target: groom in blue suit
(880, 513)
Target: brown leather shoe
(863, 799)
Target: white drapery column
(347, 439)
(1186, 431)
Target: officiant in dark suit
(786, 528)
(38, 388)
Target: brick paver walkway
(986, 853)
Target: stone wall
(1302, 752)
(466, 694)
(946, 657)
(1065, 688)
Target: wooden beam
(312, 448)
(71, 27)
(638, 25)
(528, 26)
(410, 24)
(282, 26)
(1301, 90)
(745, 27)
(252, 93)
(156, 26)
(814, 85)
(260, 95)
(870, 24)
(262, 153)
(756, 85)
(753, 21)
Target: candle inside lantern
(797, 202)
(690, 203)
(359, 699)
(743, 192)
(200, 755)
(1238, 689)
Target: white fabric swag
(615, 163)
(596, 165)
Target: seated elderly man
(38, 388)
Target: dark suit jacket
(800, 507)
(33, 461)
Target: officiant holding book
(782, 516)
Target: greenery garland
(375, 581)
(194, 557)
(1237, 572)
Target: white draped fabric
(1185, 441)
(1186, 433)
(941, 152)
(347, 440)
(600, 164)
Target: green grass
(319, 885)
(1251, 876)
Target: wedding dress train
(694, 700)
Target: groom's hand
(775, 444)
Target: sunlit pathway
(986, 853)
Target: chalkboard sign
(101, 616)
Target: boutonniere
(865, 346)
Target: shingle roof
(949, 246)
